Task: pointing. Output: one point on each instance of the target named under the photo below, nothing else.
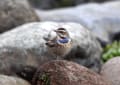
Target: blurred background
(50, 4)
(24, 23)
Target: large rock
(66, 73)
(102, 19)
(114, 5)
(25, 45)
(14, 13)
(111, 70)
(9, 80)
(51, 4)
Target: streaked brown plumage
(61, 44)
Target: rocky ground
(25, 59)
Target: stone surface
(13, 60)
(51, 4)
(111, 70)
(112, 5)
(14, 13)
(9, 80)
(66, 73)
(25, 45)
(102, 19)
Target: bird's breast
(61, 49)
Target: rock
(102, 19)
(51, 4)
(111, 70)
(62, 72)
(9, 80)
(111, 24)
(25, 45)
(14, 13)
(70, 15)
(114, 5)
(13, 60)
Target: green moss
(45, 79)
(111, 50)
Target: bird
(60, 45)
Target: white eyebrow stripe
(61, 31)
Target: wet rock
(25, 45)
(9, 80)
(102, 19)
(14, 13)
(111, 70)
(66, 73)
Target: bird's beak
(55, 31)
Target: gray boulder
(14, 13)
(9, 80)
(102, 19)
(25, 45)
(51, 4)
(114, 5)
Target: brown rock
(111, 70)
(66, 73)
(14, 13)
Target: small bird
(60, 45)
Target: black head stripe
(61, 29)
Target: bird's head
(62, 33)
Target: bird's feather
(65, 40)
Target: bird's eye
(61, 32)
